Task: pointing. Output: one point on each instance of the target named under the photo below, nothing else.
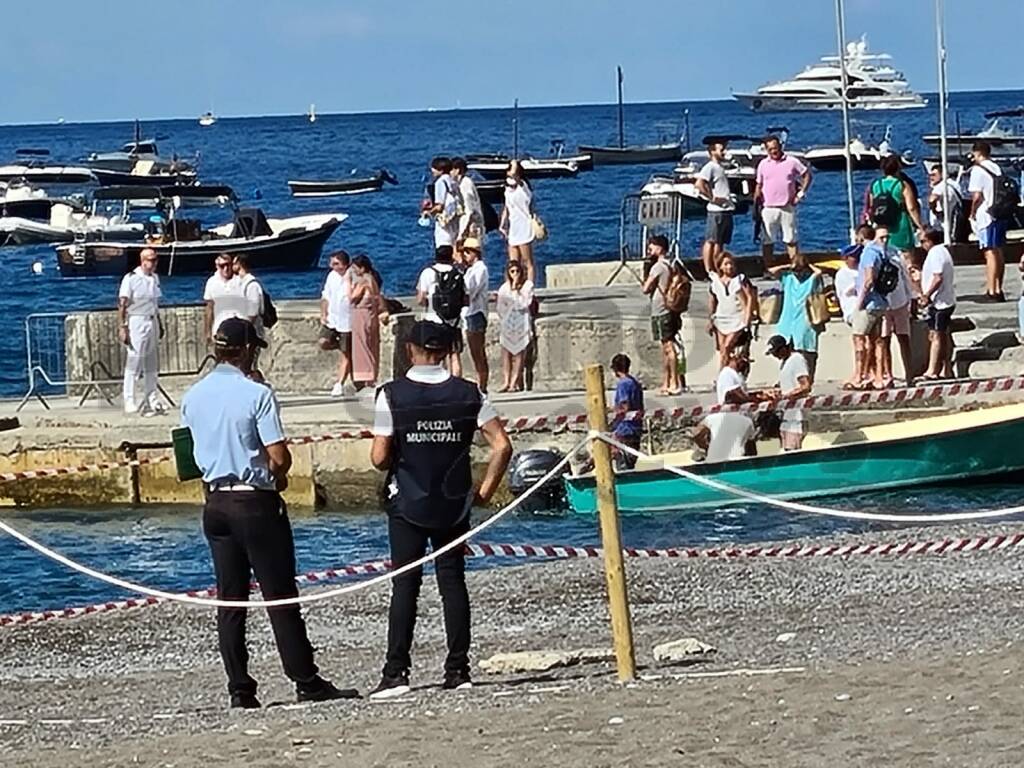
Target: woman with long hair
(514, 299)
(517, 219)
(366, 308)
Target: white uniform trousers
(144, 333)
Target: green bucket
(184, 454)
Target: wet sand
(892, 661)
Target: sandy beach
(856, 661)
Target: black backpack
(1005, 195)
(886, 210)
(449, 294)
(268, 312)
(887, 275)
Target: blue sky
(121, 59)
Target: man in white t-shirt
(474, 314)
(726, 435)
(471, 220)
(336, 318)
(140, 330)
(713, 185)
(794, 381)
(446, 203)
(252, 293)
(938, 294)
(991, 232)
(427, 289)
(944, 194)
(223, 296)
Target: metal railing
(79, 353)
(641, 217)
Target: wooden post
(611, 539)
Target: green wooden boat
(939, 449)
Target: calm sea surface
(165, 548)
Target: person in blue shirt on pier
(628, 425)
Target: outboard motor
(527, 468)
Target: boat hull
(765, 103)
(923, 459)
(837, 162)
(335, 188)
(661, 153)
(296, 251)
(107, 178)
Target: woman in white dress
(517, 219)
(514, 299)
(732, 307)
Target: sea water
(257, 156)
(163, 547)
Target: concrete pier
(576, 326)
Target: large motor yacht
(872, 83)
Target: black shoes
(321, 690)
(992, 298)
(391, 687)
(457, 681)
(245, 701)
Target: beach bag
(886, 210)
(677, 295)
(540, 229)
(1005, 195)
(770, 304)
(817, 309)
(449, 295)
(888, 276)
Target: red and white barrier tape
(841, 400)
(994, 543)
(31, 474)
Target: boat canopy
(185, 192)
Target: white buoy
(37, 267)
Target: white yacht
(872, 83)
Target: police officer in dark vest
(423, 430)
(240, 447)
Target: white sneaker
(130, 409)
(338, 390)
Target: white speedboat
(67, 225)
(683, 184)
(207, 119)
(872, 83)
(1003, 140)
(534, 167)
(862, 156)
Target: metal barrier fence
(80, 354)
(641, 217)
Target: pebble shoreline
(154, 673)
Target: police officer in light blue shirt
(241, 450)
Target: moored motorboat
(185, 246)
(918, 452)
(533, 167)
(862, 156)
(1002, 140)
(350, 186)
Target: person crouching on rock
(423, 431)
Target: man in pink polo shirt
(782, 182)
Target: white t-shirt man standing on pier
(140, 331)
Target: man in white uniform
(140, 331)
(794, 381)
(223, 296)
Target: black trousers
(249, 533)
(409, 543)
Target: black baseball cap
(430, 336)
(775, 343)
(237, 333)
